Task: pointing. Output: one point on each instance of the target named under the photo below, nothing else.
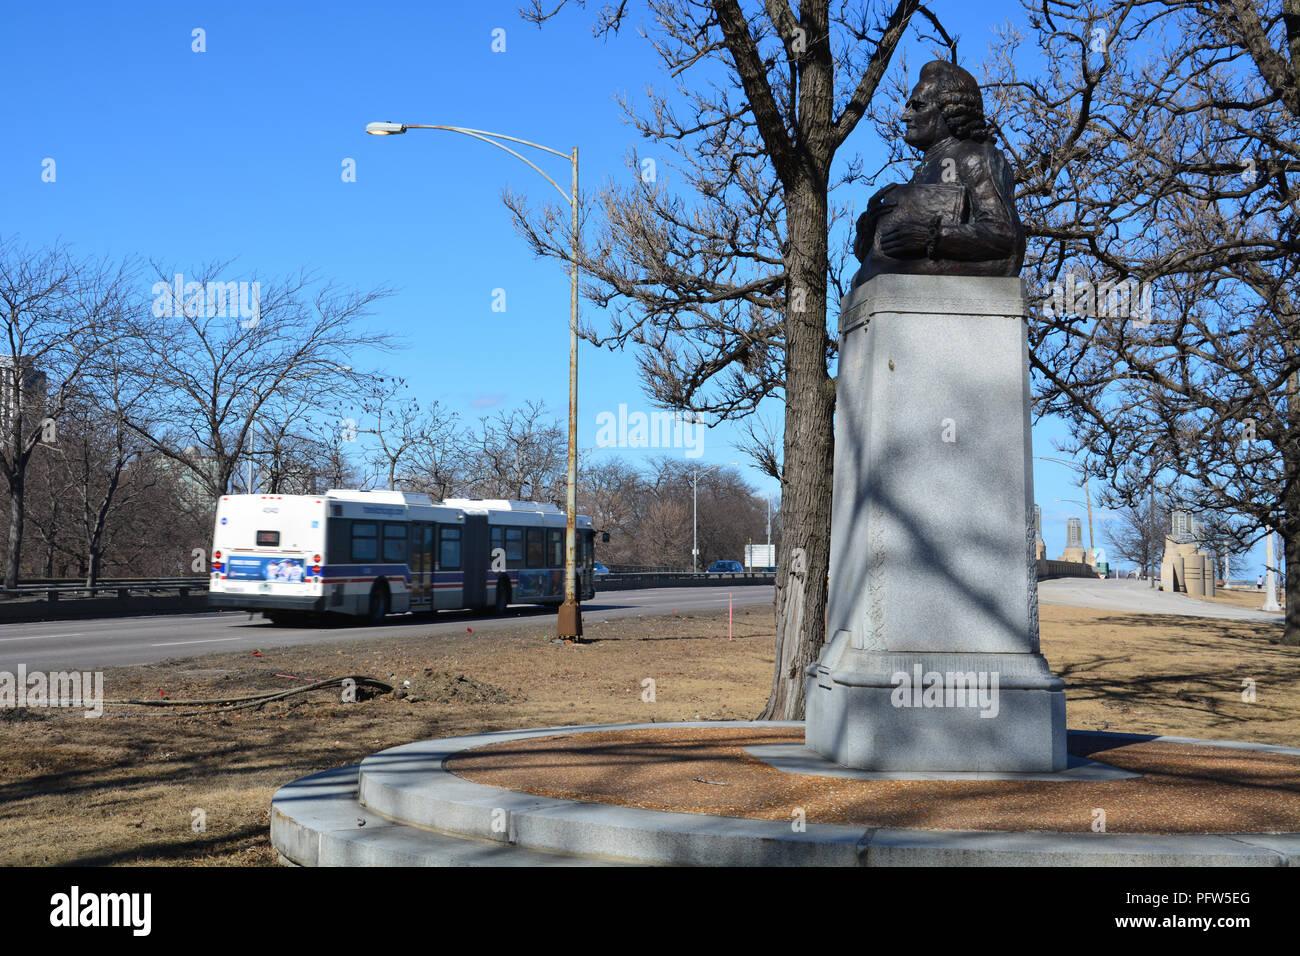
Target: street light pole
(1087, 496)
(1270, 581)
(569, 620)
(695, 524)
(695, 514)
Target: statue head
(946, 101)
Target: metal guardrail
(613, 582)
(54, 589)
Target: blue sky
(238, 152)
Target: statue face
(923, 117)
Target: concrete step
(401, 807)
(318, 821)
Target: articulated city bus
(370, 553)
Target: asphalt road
(111, 642)
(1139, 597)
(114, 642)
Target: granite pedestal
(932, 660)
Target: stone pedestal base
(875, 710)
(933, 662)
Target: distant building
(34, 387)
(1185, 567)
(1040, 546)
(192, 491)
(1074, 550)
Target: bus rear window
(268, 539)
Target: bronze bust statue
(957, 215)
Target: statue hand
(877, 206)
(907, 240)
(880, 199)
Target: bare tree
(1155, 159)
(416, 448)
(1137, 533)
(335, 462)
(217, 370)
(50, 491)
(725, 296)
(612, 493)
(520, 454)
(56, 314)
(100, 461)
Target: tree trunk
(92, 566)
(13, 552)
(809, 457)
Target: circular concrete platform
(404, 806)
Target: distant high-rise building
(191, 489)
(33, 385)
(1074, 551)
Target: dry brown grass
(121, 790)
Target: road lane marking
(213, 640)
(47, 637)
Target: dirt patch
(1184, 789)
(447, 688)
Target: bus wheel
(378, 604)
(503, 595)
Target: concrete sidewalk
(1139, 597)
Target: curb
(416, 812)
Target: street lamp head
(385, 129)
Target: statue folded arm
(994, 231)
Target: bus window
(555, 543)
(514, 547)
(498, 540)
(395, 543)
(338, 541)
(536, 548)
(426, 546)
(449, 548)
(365, 546)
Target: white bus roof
(503, 511)
(497, 510)
(387, 497)
(501, 504)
